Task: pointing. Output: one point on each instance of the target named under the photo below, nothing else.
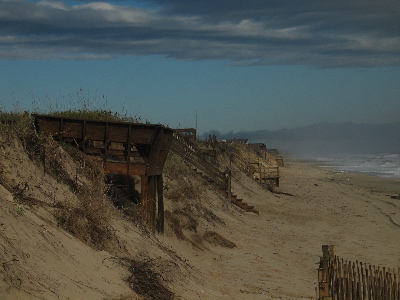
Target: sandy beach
(276, 253)
(278, 250)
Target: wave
(380, 164)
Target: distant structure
(238, 141)
(270, 154)
(187, 132)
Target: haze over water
(344, 157)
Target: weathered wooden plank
(94, 130)
(111, 152)
(122, 168)
(159, 151)
(139, 134)
(148, 204)
(72, 129)
(50, 126)
(160, 206)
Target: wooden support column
(144, 198)
(229, 184)
(61, 133)
(324, 279)
(105, 145)
(160, 201)
(83, 146)
(153, 209)
(128, 155)
(44, 160)
(148, 203)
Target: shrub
(145, 281)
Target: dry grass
(88, 219)
(180, 181)
(146, 282)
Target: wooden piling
(160, 208)
(324, 272)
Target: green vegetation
(19, 118)
(103, 115)
(18, 122)
(75, 105)
(20, 210)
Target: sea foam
(378, 164)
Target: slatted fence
(340, 279)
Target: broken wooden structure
(257, 168)
(123, 148)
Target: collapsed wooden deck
(124, 148)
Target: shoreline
(390, 185)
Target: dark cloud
(253, 32)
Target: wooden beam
(83, 146)
(148, 201)
(128, 145)
(160, 201)
(120, 168)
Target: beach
(278, 251)
(274, 255)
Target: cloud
(254, 32)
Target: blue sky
(237, 65)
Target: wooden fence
(345, 280)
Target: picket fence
(345, 280)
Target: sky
(208, 64)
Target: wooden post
(324, 272)
(61, 135)
(229, 184)
(148, 201)
(144, 198)
(128, 155)
(160, 201)
(153, 199)
(44, 161)
(105, 145)
(83, 146)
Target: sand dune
(275, 254)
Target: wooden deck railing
(259, 171)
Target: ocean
(378, 164)
(344, 155)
